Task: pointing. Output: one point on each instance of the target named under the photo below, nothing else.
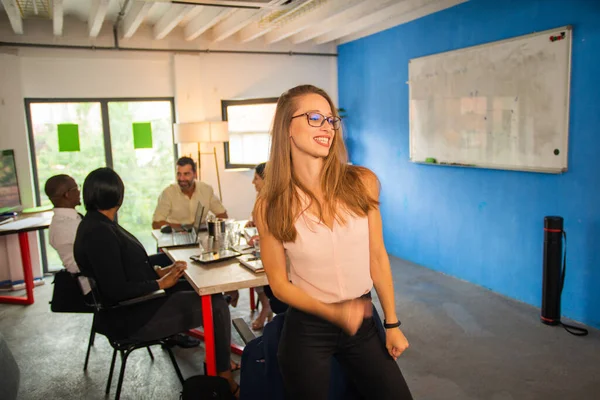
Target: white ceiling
(264, 22)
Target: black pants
(182, 311)
(307, 345)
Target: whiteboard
(502, 105)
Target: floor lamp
(203, 132)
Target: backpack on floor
(201, 387)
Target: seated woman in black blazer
(120, 265)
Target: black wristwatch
(391, 326)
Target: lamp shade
(219, 131)
(201, 132)
(191, 132)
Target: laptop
(185, 237)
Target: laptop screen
(198, 217)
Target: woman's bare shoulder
(368, 178)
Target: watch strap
(391, 326)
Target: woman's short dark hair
(103, 189)
(260, 170)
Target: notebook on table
(251, 262)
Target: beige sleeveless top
(330, 265)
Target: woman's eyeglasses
(317, 120)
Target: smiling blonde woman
(324, 215)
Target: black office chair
(125, 346)
(90, 343)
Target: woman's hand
(172, 276)
(349, 315)
(163, 271)
(250, 224)
(395, 342)
(252, 240)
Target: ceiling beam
(254, 31)
(97, 15)
(340, 19)
(257, 28)
(236, 21)
(241, 18)
(14, 15)
(170, 20)
(430, 8)
(315, 16)
(396, 9)
(57, 17)
(208, 17)
(134, 17)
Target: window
(105, 132)
(249, 131)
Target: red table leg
(27, 274)
(209, 336)
(198, 334)
(253, 305)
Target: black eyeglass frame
(335, 122)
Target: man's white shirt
(176, 207)
(63, 229)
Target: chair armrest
(150, 296)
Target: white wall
(80, 73)
(13, 135)
(198, 83)
(13, 129)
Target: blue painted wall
(484, 226)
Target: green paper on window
(68, 137)
(142, 135)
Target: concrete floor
(467, 343)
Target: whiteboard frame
(569, 40)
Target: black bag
(202, 387)
(67, 295)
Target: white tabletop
(27, 222)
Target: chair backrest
(98, 302)
(96, 297)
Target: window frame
(227, 103)
(108, 153)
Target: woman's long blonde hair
(341, 184)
